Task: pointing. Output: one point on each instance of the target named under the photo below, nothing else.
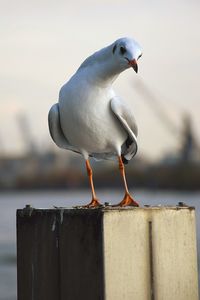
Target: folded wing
(127, 120)
(56, 131)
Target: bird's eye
(139, 56)
(122, 50)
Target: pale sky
(44, 42)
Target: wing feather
(127, 120)
(56, 131)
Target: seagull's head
(126, 53)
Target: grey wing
(127, 120)
(56, 131)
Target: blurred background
(42, 45)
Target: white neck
(101, 67)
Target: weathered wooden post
(107, 254)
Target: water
(9, 202)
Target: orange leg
(127, 200)
(94, 202)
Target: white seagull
(90, 119)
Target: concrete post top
(109, 253)
(28, 210)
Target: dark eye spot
(114, 48)
(122, 50)
(139, 56)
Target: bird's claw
(127, 201)
(93, 204)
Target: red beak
(133, 64)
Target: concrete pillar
(107, 254)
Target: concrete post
(107, 254)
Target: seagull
(90, 119)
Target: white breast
(86, 118)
